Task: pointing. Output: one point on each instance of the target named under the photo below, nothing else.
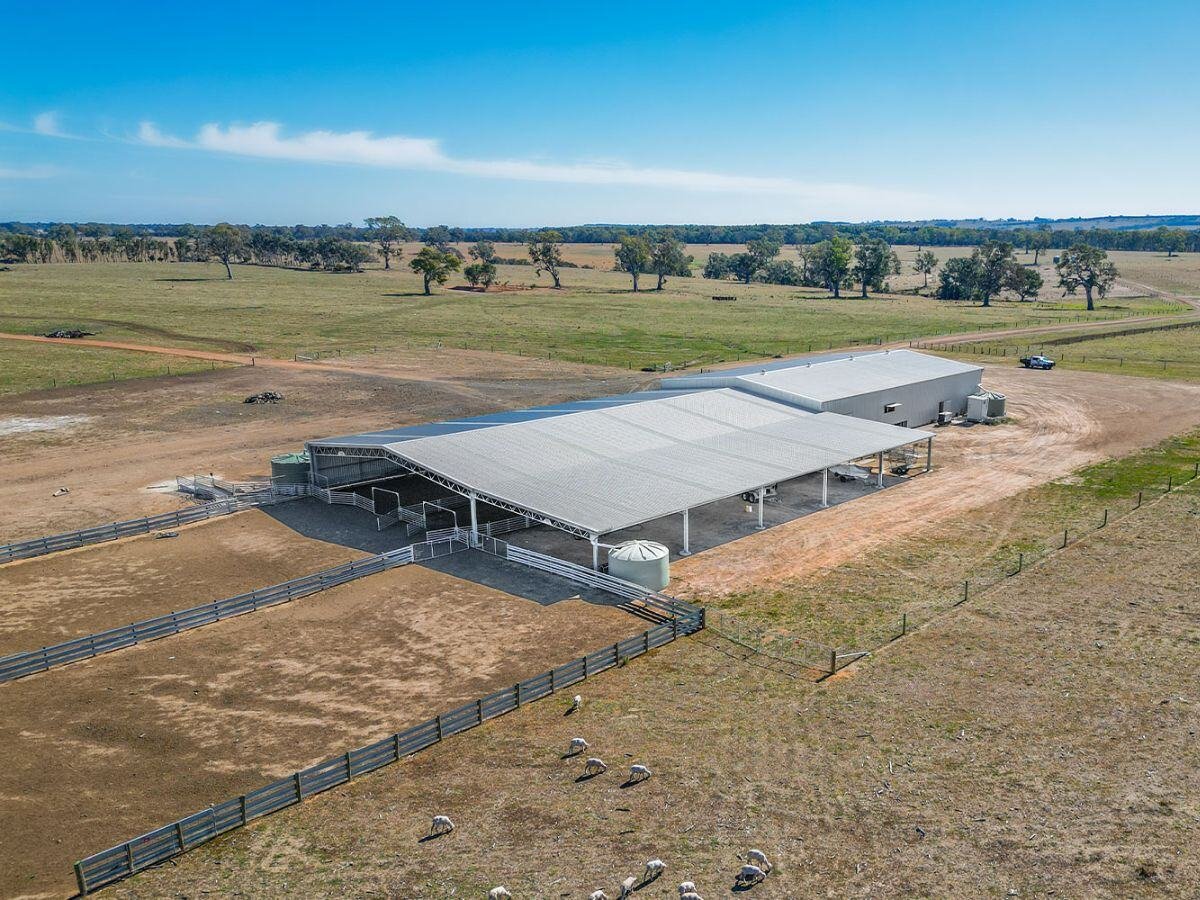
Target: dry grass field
(595, 318)
(1038, 741)
(100, 750)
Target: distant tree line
(1034, 238)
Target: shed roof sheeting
(608, 468)
(835, 379)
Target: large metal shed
(899, 387)
(601, 466)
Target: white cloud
(266, 140)
(27, 172)
(47, 124)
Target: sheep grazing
(597, 895)
(750, 875)
(578, 745)
(441, 825)
(638, 772)
(654, 868)
(576, 702)
(499, 893)
(690, 895)
(595, 766)
(758, 858)
(687, 887)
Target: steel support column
(825, 488)
(686, 551)
(929, 454)
(474, 516)
(881, 468)
(595, 552)
(761, 493)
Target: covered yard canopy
(599, 470)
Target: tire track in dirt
(1062, 422)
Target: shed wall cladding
(919, 403)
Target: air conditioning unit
(945, 417)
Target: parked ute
(1037, 362)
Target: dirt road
(117, 439)
(1063, 420)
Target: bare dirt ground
(1037, 742)
(140, 435)
(54, 598)
(1060, 422)
(105, 749)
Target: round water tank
(290, 468)
(643, 562)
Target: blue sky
(534, 113)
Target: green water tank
(290, 468)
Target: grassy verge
(1171, 354)
(860, 605)
(28, 366)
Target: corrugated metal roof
(489, 420)
(835, 379)
(603, 469)
(677, 382)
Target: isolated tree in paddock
(434, 265)
(438, 236)
(874, 261)
(224, 242)
(717, 265)
(483, 251)
(831, 262)
(667, 258)
(960, 277)
(1173, 240)
(1040, 240)
(744, 266)
(632, 256)
(481, 274)
(994, 258)
(388, 233)
(925, 263)
(1087, 267)
(1022, 281)
(763, 250)
(545, 252)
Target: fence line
(826, 660)
(125, 859)
(18, 665)
(116, 530)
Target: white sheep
(638, 772)
(690, 895)
(750, 875)
(597, 895)
(576, 702)
(441, 825)
(687, 887)
(595, 766)
(654, 868)
(499, 893)
(758, 858)
(578, 745)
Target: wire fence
(127, 858)
(825, 659)
(116, 530)
(19, 665)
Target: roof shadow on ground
(348, 526)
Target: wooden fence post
(479, 710)
(966, 590)
(437, 721)
(832, 660)
(179, 835)
(242, 805)
(299, 790)
(585, 671)
(1064, 544)
(1105, 522)
(349, 767)
(1139, 503)
(1170, 483)
(80, 880)
(903, 624)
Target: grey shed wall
(920, 402)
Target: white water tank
(643, 562)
